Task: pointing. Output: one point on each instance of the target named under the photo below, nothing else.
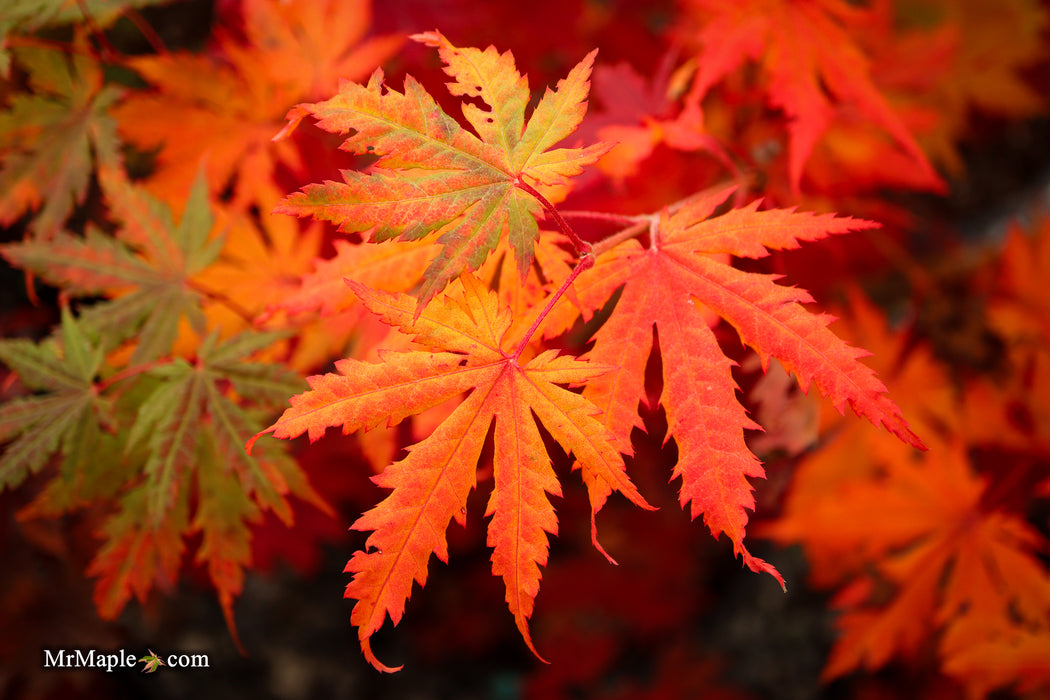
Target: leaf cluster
(472, 330)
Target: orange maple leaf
(465, 336)
(1015, 409)
(812, 66)
(225, 106)
(928, 532)
(931, 549)
(992, 43)
(433, 175)
(851, 451)
(683, 270)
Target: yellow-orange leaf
(433, 175)
(468, 349)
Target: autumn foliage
(331, 215)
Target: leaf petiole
(603, 216)
(128, 372)
(585, 263)
(582, 246)
(220, 298)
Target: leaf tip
(759, 565)
(226, 600)
(524, 629)
(294, 116)
(597, 544)
(366, 649)
(251, 443)
(434, 38)
(912, 439)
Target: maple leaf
(851, 451)
(152, 662)
(464, 337)
(226, 105)
(258, 267)
(225, 509)
(192, 421)
(434, 176)
(928, 549)
(49, 139)
(812, 64)
(66, 417)
(927, 529)
(396, 266)
(147, 267)
(984, 71)
(684, 269)
(189, 408)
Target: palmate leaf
(684, 268)
(434, 176)
(147, 267)
(51, 139)
(190, 424)
(465, 351)
(190, 429)
(812, 64)
(951, 564)
(65, 417)
(226, 105)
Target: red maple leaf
(811, 65)
(677, 284)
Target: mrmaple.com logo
(121, 658)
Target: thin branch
(109, 53)
(146, 29)
(130, 372)
(247, 316)
(645, 222)
(586, 262)
(582, 246)
(607, 244)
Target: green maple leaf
(188, 422)
(64, 415)
(148, 267)
(50, 139)
(193, 417)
